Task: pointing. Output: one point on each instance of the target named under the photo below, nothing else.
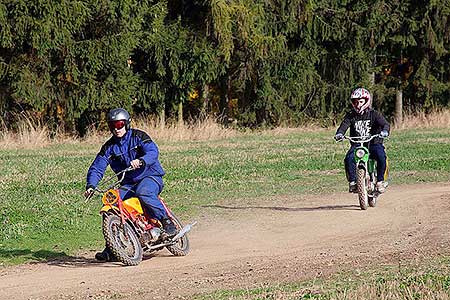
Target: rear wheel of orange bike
(181, 247)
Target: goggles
(117, 124)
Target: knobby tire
(181, 247)
(362, 188)
(116, 240)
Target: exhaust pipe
(183, 231)
(173, 240)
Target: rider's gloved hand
(136, 163)
(339, 137)
(384, 134)
(88, 193)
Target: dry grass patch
(172, 132)
(195, 131)
(437, 119)
(29, 135)
(32, 134)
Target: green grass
(426, 280)
(43, 214)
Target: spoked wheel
(181, 247)
(373, 194)
(361, 185)
(122, 240)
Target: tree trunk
(205, 96)
(180, 113)
(372, 80)
(225, 99)
(398, 114)
(162, 116)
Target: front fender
(108, 207)
(362, 165)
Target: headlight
(110, 197)
(360, 153)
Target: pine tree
(64, 59)
(259, 62)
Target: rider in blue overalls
(131, 147)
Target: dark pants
(147, 190)
(376, 151)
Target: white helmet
(361, 100)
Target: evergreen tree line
(251, 62)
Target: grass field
(43, 213)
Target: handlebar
(101, 191)
(362, 139)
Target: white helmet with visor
(361, 100)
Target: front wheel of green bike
(361, 185)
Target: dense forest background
(246, 62)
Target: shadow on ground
(281, 208)
(60, 259)
(48, 257)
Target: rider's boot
(381, 188)
(352, 187)
(105, 255)
(169, 227)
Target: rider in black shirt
(364, 121)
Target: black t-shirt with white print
(369, 123)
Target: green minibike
(366, 172)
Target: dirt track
(251, 244)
